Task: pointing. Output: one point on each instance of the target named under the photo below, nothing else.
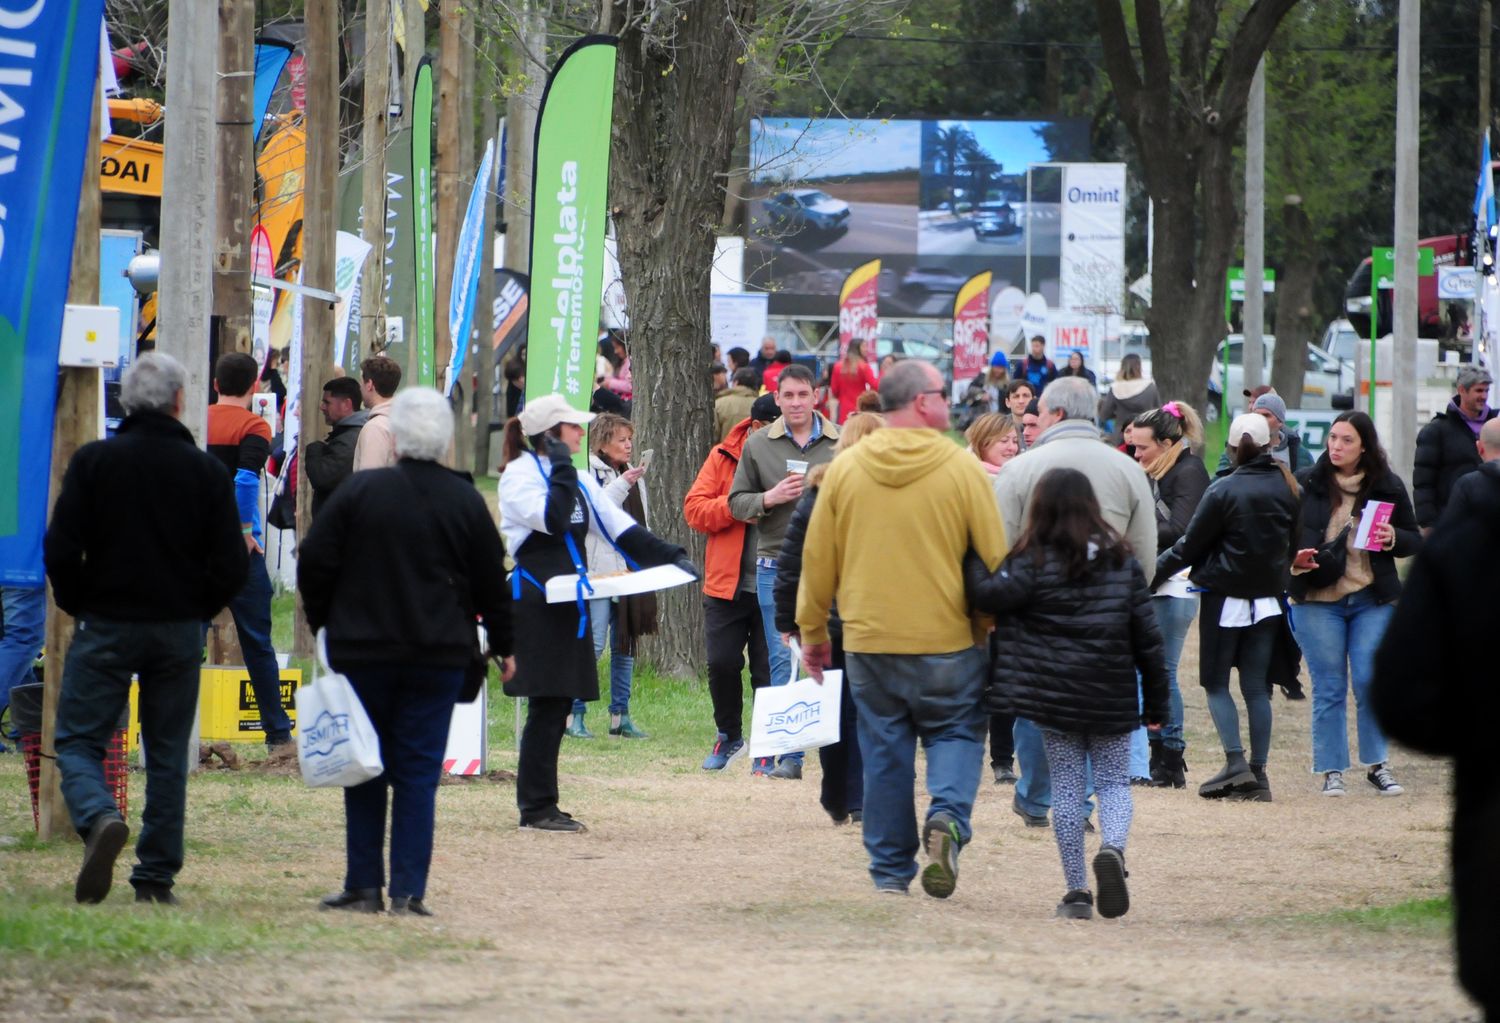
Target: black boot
(1171, 773)
(1261, 791)
(1235, 777)
(1155, 765)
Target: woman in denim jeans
(1343, 595)
(1169, 446)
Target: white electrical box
(90, 336)
(264, 405)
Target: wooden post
(1254, 316)
(75, 423)
(187, 230)
(449, 147)
(232, 305)
(318, 226)
(484, 356)
(376, 100)
(463, 435)
(1486, 17)
(1401, 442)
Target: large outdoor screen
(935, 201)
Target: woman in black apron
(547, 509)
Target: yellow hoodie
(894, 516)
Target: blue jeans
(1174, 617)
(1034, 789)
(901, 699)
(604, 620)
(411, 707)
(1339, 640)
(251, 608)
(22, 632)
(780, 656)
(95, 692)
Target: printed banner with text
(424, 356)
(1093, 238)
(971, 327)
(49, 59)
(466, 266)
(569, 203)
(858, 300)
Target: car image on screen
(994, 220)
(807, 209)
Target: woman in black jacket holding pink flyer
(1356, 520)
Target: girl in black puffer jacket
(1075, 622)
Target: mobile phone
(646, 457)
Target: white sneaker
(1380, 776)
(1333, 783)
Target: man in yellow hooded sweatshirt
(887, 539)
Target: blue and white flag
(49, 62)
(271, 58)
(471, 255)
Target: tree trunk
(677, 81)
(1295, 315)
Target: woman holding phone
(1344, 592)
(548, 513)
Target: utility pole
(1255, 230)
(449, 209)
(231, 328)
(377, 100)
(463, 435)
(318, 227)
(413, 46)
(187, 232)
(484, 316)
(75, 423)
(1486, 18)
(1404, 306)
(520, 125)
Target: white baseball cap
(542, 414)
(1251, 425)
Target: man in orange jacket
(731, 610)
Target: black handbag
(1332, 559)
(476, 672)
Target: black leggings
(541, 739)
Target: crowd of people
(1035, 587)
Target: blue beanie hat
(999, 360)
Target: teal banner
(569, 215)
(49, 61)
(421, 172)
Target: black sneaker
(940, 838)
(1076, 905)
(1032, 820)
(101, 848)
(1110, 875)
(354, 900)
(160, 894)
(558, 822)
(1005, 774)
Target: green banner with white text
(569, 215)
(423, 352)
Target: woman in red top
(851, 378)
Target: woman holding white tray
(548, 512)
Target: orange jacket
(706, 509)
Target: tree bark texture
(1184, 117)
(1296, 314)
(235, 102)
(677, 79)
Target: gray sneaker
(1333, 784)
(940, 838)
(788, 770)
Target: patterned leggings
(1067, 754)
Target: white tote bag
(800, 715)
(336, 744)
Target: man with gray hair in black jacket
(144, 546)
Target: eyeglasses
(936, 391)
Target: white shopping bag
(336, 744)
(800, 715)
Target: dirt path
(707, 897)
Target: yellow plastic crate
(227, 711)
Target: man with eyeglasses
(895, 515)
